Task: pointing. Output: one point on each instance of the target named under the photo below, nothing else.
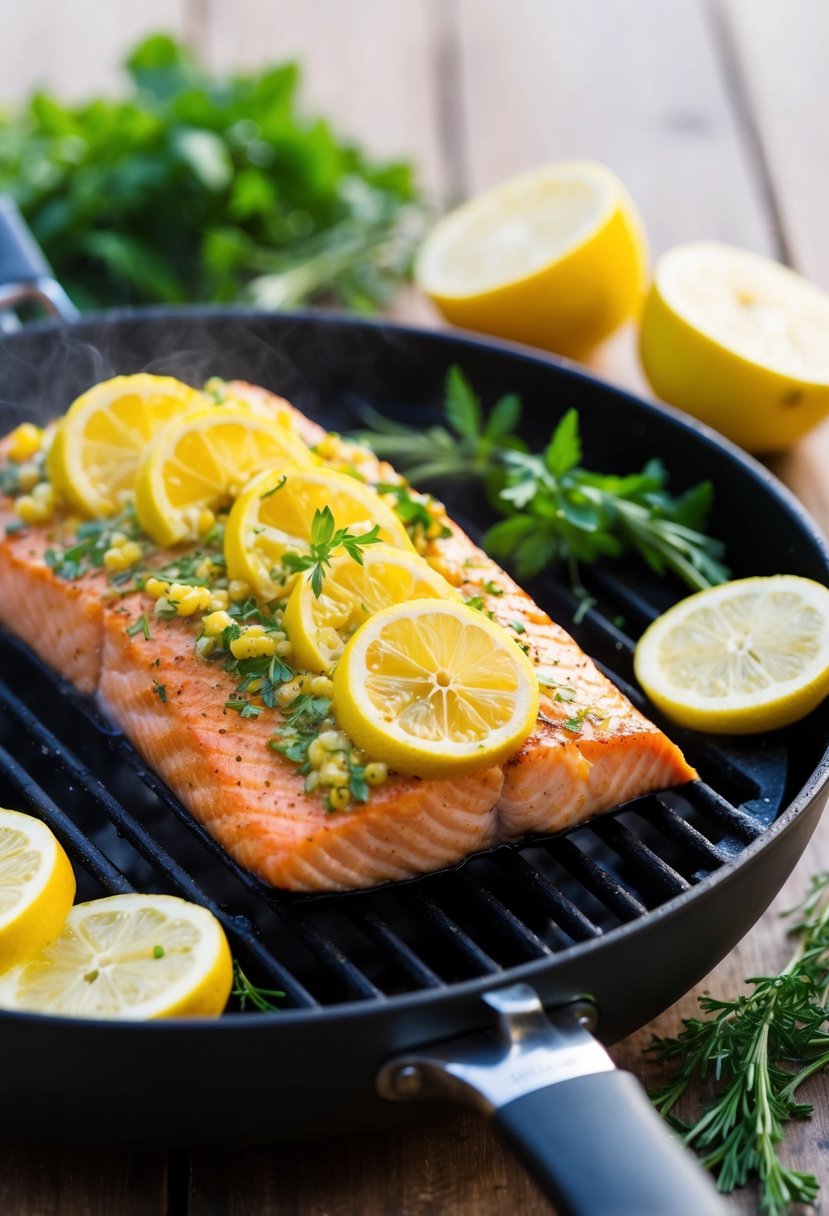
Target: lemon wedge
(435, 689)
(37, 887)
(273, 516)
(351, 593)
(204, 460)
(127, 956)
(104, 433)
(554, 258)
(739, 342)
(747, 656)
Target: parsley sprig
(554, 509)
(758, 1049)
(326, 537)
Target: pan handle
(25, 275)
(586, 1131)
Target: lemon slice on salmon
(205, 460)
(746, 656)
(435, 689)
(37, 887)
(274, 514)
(554, 258)
(319, 627)
(127, 956)
(100, 440)
(738, 341)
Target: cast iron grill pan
(630, 909)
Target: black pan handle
(24, 272)
(587, 1132)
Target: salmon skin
(591, 749)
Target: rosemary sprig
(326, 537)
(248, 993)
(758, 1049)
(554, 509)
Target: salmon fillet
(591, 749)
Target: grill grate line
(327, 951)
(373, 925)
(598, 881)
(649, 863)
(78, 845)
(706, 799)
(663, 813)
(451, 932)
(559, 908)
(499, 916)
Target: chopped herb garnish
(17, 525)
(275, 488)
(493, 589)
(92, 539)
(325, 539)
(299, 729)
(158, 952)
(244, 708)
(142, 625)
(415, 510)
(518, 626)
(160, 691)
(565, 694)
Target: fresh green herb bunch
(757, 1050)
(200, 188)
(555, 509)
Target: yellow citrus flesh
(738, 341)
(273, 517)
(103, 435)
(747, 656)
(37, 887)
(206, 460)
(554, 258)
(128, 956)
(320, 627)
(435, 689)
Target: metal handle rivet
(408, 1081)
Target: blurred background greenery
(190, 186)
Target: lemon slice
(128, 956)
(205, 460)
(273, 516)
(435, 689)
(738, 341)
(103, 435)
(554, 258)
(747, 656)
(37, 887)
(351, 593)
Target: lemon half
(274, 514)
(205, 460)
(128, 956)
(435, 689)
(554, 258)
(37, 887)
(351, 593)
(738, 341)
(747, 656)
(100, 440)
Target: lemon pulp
(37, 886)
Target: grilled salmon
(591, 749)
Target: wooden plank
(455, 1167)
(57, 1180)
(368, 68)
(75, 50)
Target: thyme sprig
(758, 1049)
(326, 538)
(554, 509)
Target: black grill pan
(433, 988)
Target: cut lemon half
(206, 460)
(103, 435)
(435, 689)
(554, 258)
(37, 887)
(274, 514)
(320, 627)
(128, 956)
(739, 342)
(747, 656)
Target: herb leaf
(325, 539)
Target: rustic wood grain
(52, 1180)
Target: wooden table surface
(715, 116)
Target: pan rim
(471, 988)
